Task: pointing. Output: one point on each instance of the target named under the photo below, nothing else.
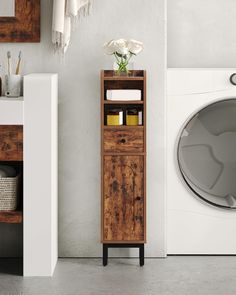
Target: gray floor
(174, 275)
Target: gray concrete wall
(79, 118)
(201, 33)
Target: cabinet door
(11, 143)
(123, 199)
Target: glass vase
(125, 71)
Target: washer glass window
(207, 154)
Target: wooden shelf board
(134, 75)
(124, 154)
(123, 127)
(11, 216)
(117, 78)
(124, 242)
(123, 102)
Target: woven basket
(8, 193)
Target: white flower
(109, 47)
(121, 46)
(134, 46)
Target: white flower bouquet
(123, 50)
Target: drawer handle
(123, 140)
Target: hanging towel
(64, 13)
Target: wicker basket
(8, 193)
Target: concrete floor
(174, 275)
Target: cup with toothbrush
(14, 82)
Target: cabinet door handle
(123, 140)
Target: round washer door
(207, 154)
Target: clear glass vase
(124, 72)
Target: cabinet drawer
(11, 143)
(121, 140)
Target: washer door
(207, 154)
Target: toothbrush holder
(14, 85)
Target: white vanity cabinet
(28, 135)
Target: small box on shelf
(124, 95)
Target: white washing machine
(201, 161)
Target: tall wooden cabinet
(123, 158)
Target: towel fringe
(58, 38)
(83, 12)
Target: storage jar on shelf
(115, 117)
(134, 117)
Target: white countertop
(11, 110)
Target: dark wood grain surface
(20, 143)
(11, 216)
(11, 143)
(123, 198)
(25, 26)
(134, 75)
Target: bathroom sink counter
(11, 110)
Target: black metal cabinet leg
(105, 254)
(141, 255)
(139, 246)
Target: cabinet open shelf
(137, 75)
(11, 217)
(13, 157)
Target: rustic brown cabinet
(123, 153)
(11, 143)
